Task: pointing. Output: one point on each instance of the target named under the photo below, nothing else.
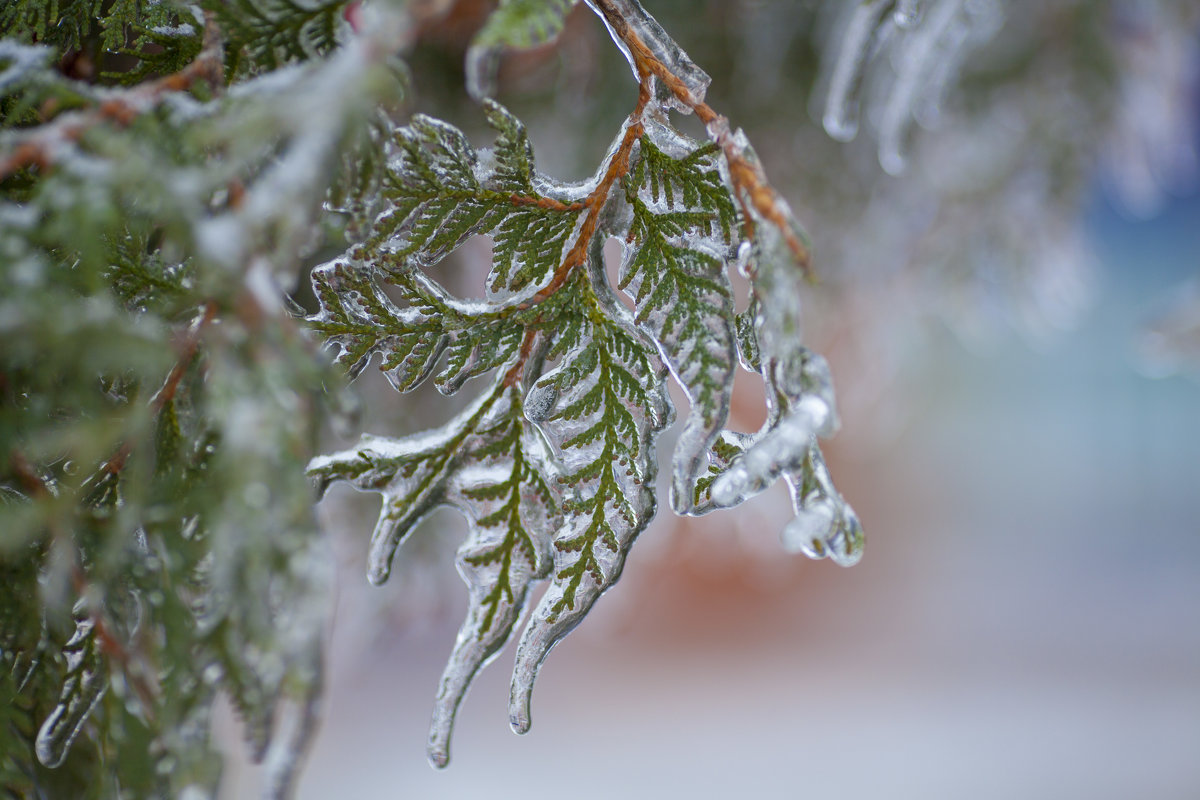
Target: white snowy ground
(1025, 624)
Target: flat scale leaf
(442, 192)
(674, 267)
(610, 404)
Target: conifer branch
(616, 169)
(753, 191)
(40, 147)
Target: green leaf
(441, 194)
(524, 23)
(609, 406)
(512, 510)
(361, 321)
(267, 34)
(674, 267)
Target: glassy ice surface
(663, 48)
(85, 685)
(605, 507)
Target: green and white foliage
(166, 171)
(683, 233)
(265, 34)
(554, 463)
(157, 405)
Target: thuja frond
(264, 34)
(554, 464)
(441, 195)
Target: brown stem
(187, 353)
(548, 203)
(38, 147)
(513, 376)
(751, 185)
(618, 167)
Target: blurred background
(1013, 323)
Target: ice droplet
(907, 13)
(825, 525)
(807, 532)
(540, 402)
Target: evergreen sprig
(163, 177)
(441, 195)
(157, 539)
(570, 423)
(266, 34)
(684, 219)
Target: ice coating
(841, 107)
(801, 405)
(627, 18)
(800, 402)
(412, 474)
(825, 526)
(782, 446)
(85, 684)
(511, 512)
(684, 300)
(609, 476)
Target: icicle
(661, 47)
(919, 55)
(482, 66)
(825, 525)
(929, 58)
(841, 108)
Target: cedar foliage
(166, 172)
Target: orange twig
(618, 167)
(748, 179)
